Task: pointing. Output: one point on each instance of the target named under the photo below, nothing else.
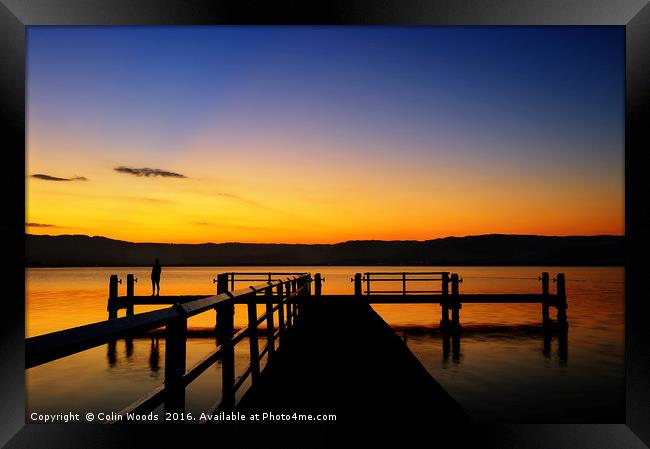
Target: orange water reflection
(503, 366)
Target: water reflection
(554, 341)
(551, 337)
(154, 357)
(114, 348)
(111, 353)
(452, 336)
(495, 372)
(112, 356)
(129, 347)
(563, 345)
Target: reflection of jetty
(319, 353)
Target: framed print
(409, 221)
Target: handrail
(404, 277)
(400, 279)
(158, 396)
(268, 275)
(146, 403)
(408, 291)
(49, 347)
(275, 273)
(407, 272)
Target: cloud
(40, 225)
(231, 226)
(55, 178)
(263, 206)
(147, 172)
(243, 200)
(157, 200)
(149, 200)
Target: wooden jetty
(323, 353)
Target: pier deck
(342, 358)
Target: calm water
(502, 368)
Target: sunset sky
(324, 134)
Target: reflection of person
(154, 357)
(155, 278)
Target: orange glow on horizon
(325, 202)
(318, 201)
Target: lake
(502, 368)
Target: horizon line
(336, 243)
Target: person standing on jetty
(155, 278)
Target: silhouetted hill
(493, 249)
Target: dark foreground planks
(344, 359)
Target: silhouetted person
(155, 278)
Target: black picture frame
(634, 15)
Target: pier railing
(404, 278)
(258, 276)
(281, 296)
(449, 296)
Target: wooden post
(317, 284)
(252, 338)
(357, 285)
(306, 281)
(130, 288)
(288, 286)
(545, 314)
(305, 294)
(455, 301)
(403, 283)
(112, 297)
(222, 283)
(294, 303)
(270, 328)
(225, 330)
(112, 314)
(225, 312)
(294, 308)
(561, 299)
(281, 323)
(175, 359)
(445, 300)
(300, 283)
(368, 284)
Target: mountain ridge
(486, 249)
